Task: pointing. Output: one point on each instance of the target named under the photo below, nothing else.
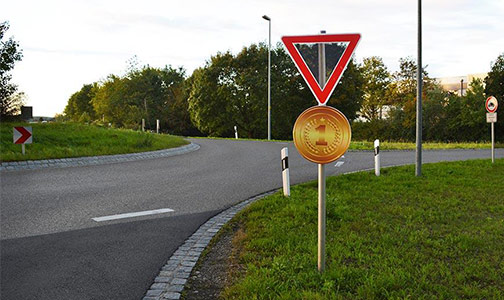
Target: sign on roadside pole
(22, 135)
(321, 133)
(491, 105)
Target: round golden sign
(322, 134)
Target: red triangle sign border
(322, 95)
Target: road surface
(53, 248)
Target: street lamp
(265, 17)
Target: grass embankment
(369, 145)
(396, 236)
(61, 140)
(366, 145)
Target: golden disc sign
(322, 134)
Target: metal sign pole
(321, 175)
(493, 143)
(23, 146)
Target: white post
(157, 126)
(377, 157)
(493, 143)
(236, 132)
(143, 124)
(285, 171)
(23, 149)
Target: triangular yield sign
(321, 93)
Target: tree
(494, 82)
(210, 96)
(376, 82)
(146, 93)
(80, 103)
(466, 115)
(348, 95)
(232, 90)
(495, 87)
(9, 55)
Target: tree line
(231, 90)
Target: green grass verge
(369, 145)
(59, 140)
(396, 236)
(366, 145)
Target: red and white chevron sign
(23, 135)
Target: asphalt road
(51, 248)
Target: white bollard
(143, 124)
(285, 171)
(236, 132)
(377, 157)
(157, 126)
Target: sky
(67, 44)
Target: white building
(459, 84)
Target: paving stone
(176, 288)
(162, 279)
(179, 281)
(172, 296)
(166, 274)
(154, 293)
(159, 286)
(188, 263)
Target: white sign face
(22, 135)
(491, 104)
(491, 117)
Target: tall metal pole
(321, 176)
(418, 169)
(265, 17)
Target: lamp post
(418, 167)
(265, 17)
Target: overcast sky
(70, 43)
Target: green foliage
(348, 95)
(494, 82)
(9, 55)
(446, 117)
(146, 93)
(232, 90)
(80, 104)
(376, 83)
(390, 237)
(494, 86)
(60, 140)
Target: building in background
(26, 113)
(459, 84)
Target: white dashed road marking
(133, 214)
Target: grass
(396, 236)
(369, 145)
(61, 140)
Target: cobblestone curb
(170, 281)
(94, 160)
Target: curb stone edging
(170, 281)
(94, 160)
